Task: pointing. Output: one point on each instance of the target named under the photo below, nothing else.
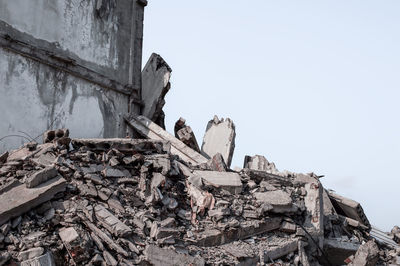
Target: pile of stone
(158, 199)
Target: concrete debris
(367, 255)
(157, 201)
(155, 85)
(219, 138)
(259, 162)
(185, 134)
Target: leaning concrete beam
(166, 257)
(123, 145)
(229, 181)
(21, 199)
(219, 138)
(151, 130)
(155, 85)
(313, 201)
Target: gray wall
(69, 63)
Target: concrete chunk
(185, 134)
(258, 162)
(44, 260)
(229, 181)
(280, 250)
(155, 85)
(314, 221)
(166, 257)
(30, 253)
(41, 176)
(337, 251)
(219, 138)
(21, 199)
(214, 237)
(151, 130)
(127, 146)
(110, 222)
(278, 199)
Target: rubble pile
(155, 200)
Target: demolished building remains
(139, 195)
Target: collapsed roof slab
(349, 208)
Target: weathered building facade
(69, 63)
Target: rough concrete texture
(98, 32)
(166, 257)
(44, 260)
(366, 255)
(149, 129)
(258, 162)
(219, 138)
(229, 181)
(20, 199)
(338, 251)
(73, 63)
(155, 85)
(41, 177)
(278, 199)
(36, 97)
(349, 207)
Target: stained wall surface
(68, 63)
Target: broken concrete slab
(349, 208)
(214, 237)
(127, 146)
(3, 157)
(111, 223)
(281, 249)
(278, 199)
(229, 181)
(151, 130)
(30, 253)
(219, 138)
(44, 260)
(21, 199)
(41, 176)
(273, 179)
(155, 85)
(258, 162)
(313, 201)
(366, 255)
(166, 257)
(337, 250)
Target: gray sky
(311, 85)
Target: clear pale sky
(314, 86)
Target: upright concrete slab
(21, 199)
(151, 130)
(155, 85)
(313, 201)
(219, 138)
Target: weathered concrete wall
(35, 97)
(69, 63)
(100, 32)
